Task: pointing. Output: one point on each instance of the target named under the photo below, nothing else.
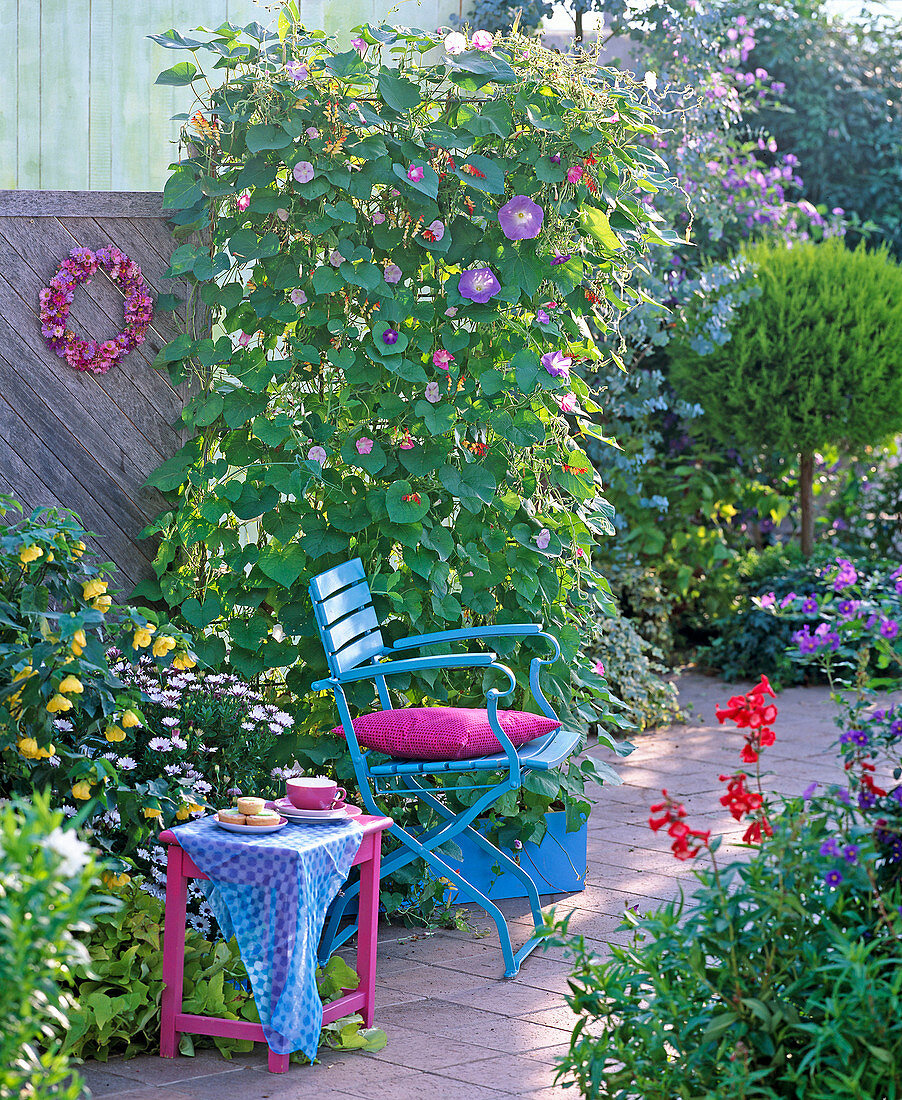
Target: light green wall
(78, 106)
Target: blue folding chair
(355, 651)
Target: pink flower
(574, 174)
(442, 359)
(364, 445)
(543, 538)
(359, 45)
(244, 200)
(378, 218)
(303, 171)
(392, 273)
(407, 443)
(415, 173)
(312, 132)
(317, 454)
(451, 311)
(298, 297)
(455, 43)
(282, 214)
(433, 394)
(335, 257)
(482, 40)
(599, 668)
(244, 339)
(567, 402)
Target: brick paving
(456, 1031)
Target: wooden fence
(70, 439)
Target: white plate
(340, 813)
(261, 829)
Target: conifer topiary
(814, 360)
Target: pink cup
(314, 792)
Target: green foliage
(813, 361)
(635, 671)
(46, 894)
(119, 984)
(467, 466)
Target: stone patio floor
(456, 1031)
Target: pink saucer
(282, 805)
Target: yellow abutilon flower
(93, 588)
(28, 748)
(183, 661)
(102, 603)
(129, 719)
(151, 812)
(30, 553)
(142, 637)
(77, 549)
(79, 641)
(45, 754)
(182, 813)
(82, 790)
(24, 673)
(71, 685)
(163, 645)
(195, 807)
(58, 703)
(114, 733)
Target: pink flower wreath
(88, 355)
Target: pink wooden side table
(180, 868)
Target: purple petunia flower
(557, 365)
(390, 336)
(521, 218)
(478, 285)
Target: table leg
(277, 1063)
(368, 930)
(173, 950)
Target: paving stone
(506, 1074)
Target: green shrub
(813, 360)
(635, 671)
(46, 895)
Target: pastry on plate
(250, 806)
(231, 817)
(265, 817)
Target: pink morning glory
(364, 445)
(359, 45)
(378, 218)
(282, 214)
(317, 454)
(244, 339)
(521, 218)
(543, 538)
(442, 359)
(455, 42)
(433, 394)
(451, 311)
(482, 40)
(567, 402)
(478, 285)
(415, 173)
(574, 174)
(335, 257)
(557, 365)
(434, 231)
(244, 200)
(298, 297)
(407, 444)
(312, 132)
(393, 273)
(599, 668)
(297, 70)
(303, 171)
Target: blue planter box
(556, 866)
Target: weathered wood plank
(81, 204)
(27, 75)
(100, 120)
(63, 106)
(9, 116)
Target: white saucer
(336, 813)
(262, 829)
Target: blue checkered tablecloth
(272, 893)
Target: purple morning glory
(542, 317)
(555, 158)
(521, 218)
(557, 365)
(390, 336)
(560, 257)
(478, 285)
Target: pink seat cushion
(445, 733)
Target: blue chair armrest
(412, 664)
(502, 630)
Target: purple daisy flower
(521, 218)
(478, 285)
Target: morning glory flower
(542, 317)
(392, 273)
(560, 257)
(574, 174)
(297, 70)
(433, 394)
(442, 359)
(482, 40)
(298, 297)
(543, 538)
(455, 43)
(364, 445)
(567, 402)
(335, 258)
(415, 173)
(317, 454)
(312, 132)
(390, 336)
(478, 285)
(359, 45)
(557, 365)
(244, 201)
(436, 231)
(521, 218)
(378, 218)
(303, 171)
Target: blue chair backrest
(343, 606)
